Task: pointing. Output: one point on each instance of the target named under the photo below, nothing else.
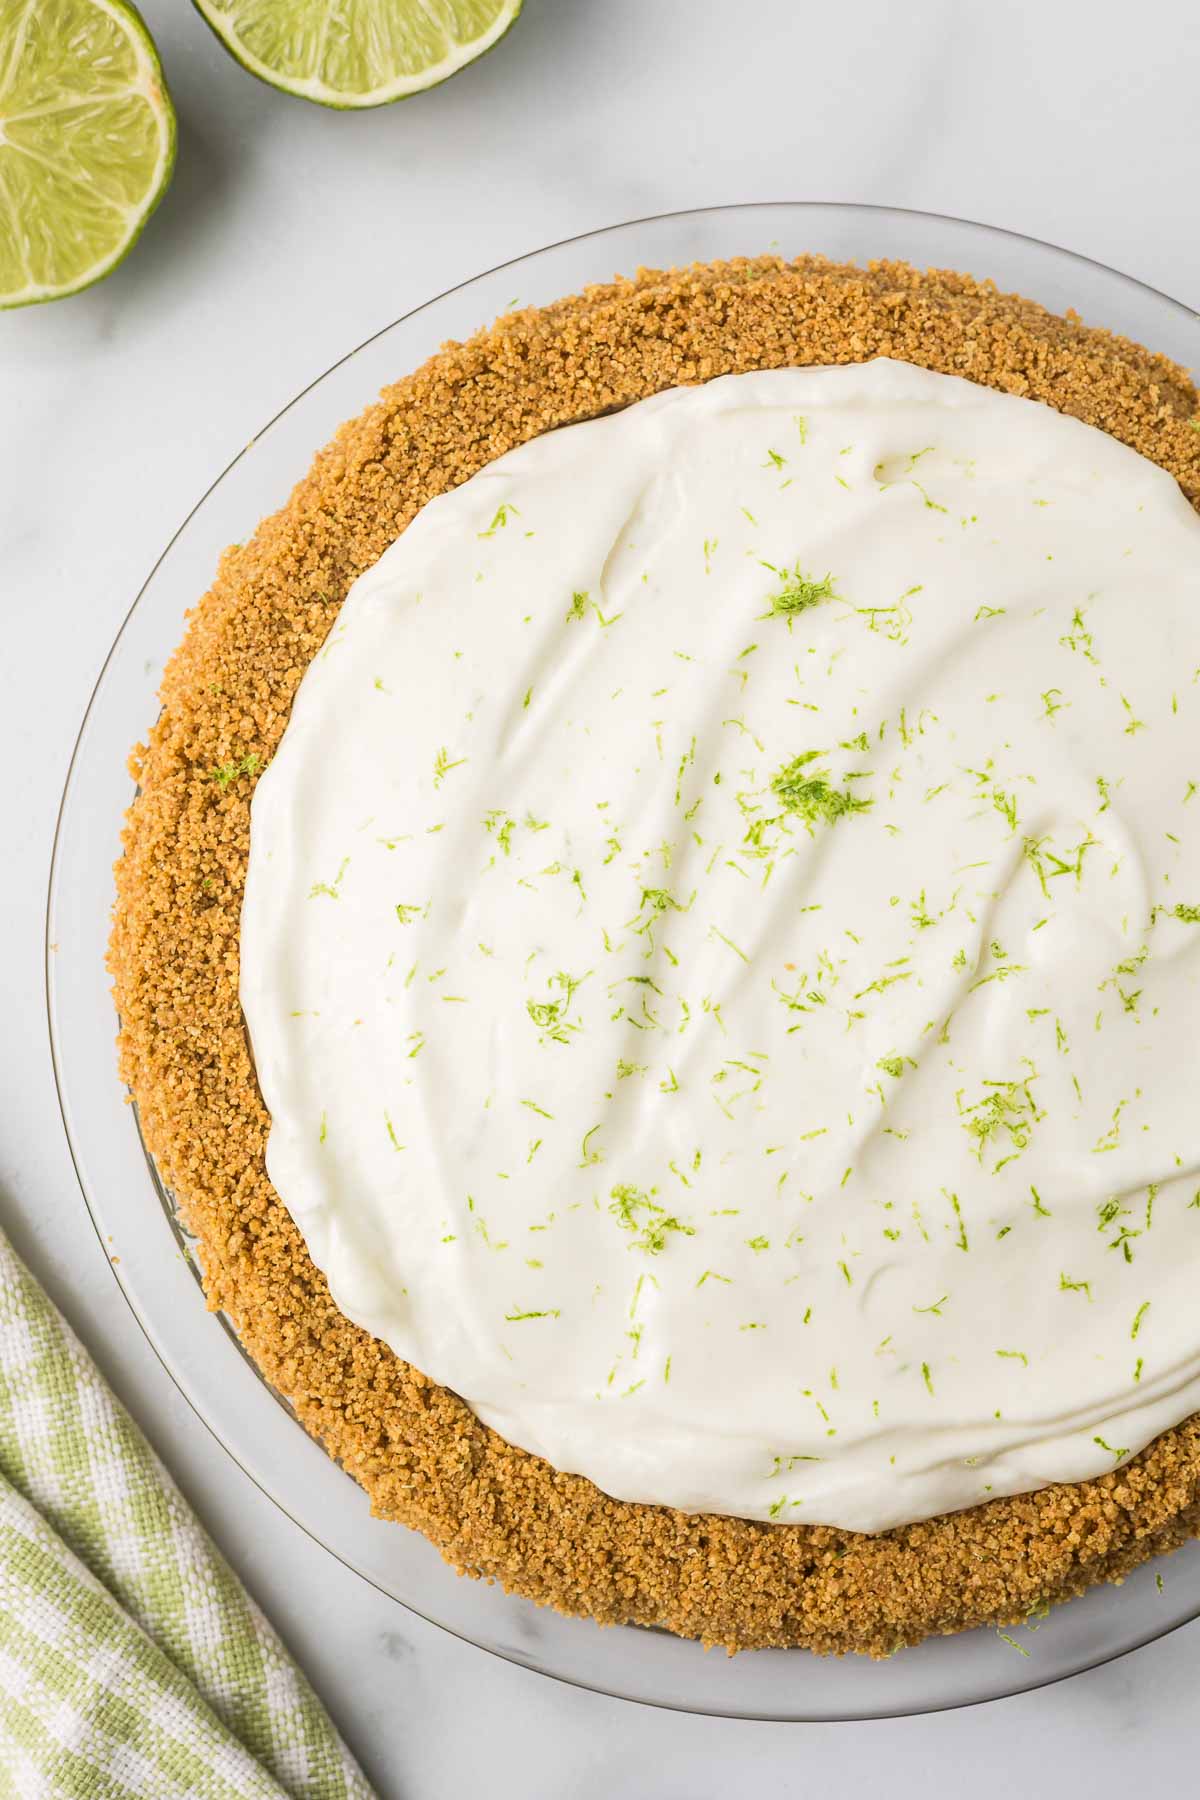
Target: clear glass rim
(1186, 313)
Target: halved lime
(357, 52)
(87, 142)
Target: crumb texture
(424, 1459)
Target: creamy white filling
(720, 948)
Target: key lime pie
(659, 941)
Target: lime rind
(72, 181)
(303, 32)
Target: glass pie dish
(133, 1212)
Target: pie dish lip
(798, 211)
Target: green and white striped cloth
(133, 1664)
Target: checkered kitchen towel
(133, 1665)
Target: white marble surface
(291, 234)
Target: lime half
(357, 52)
(87, 142)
